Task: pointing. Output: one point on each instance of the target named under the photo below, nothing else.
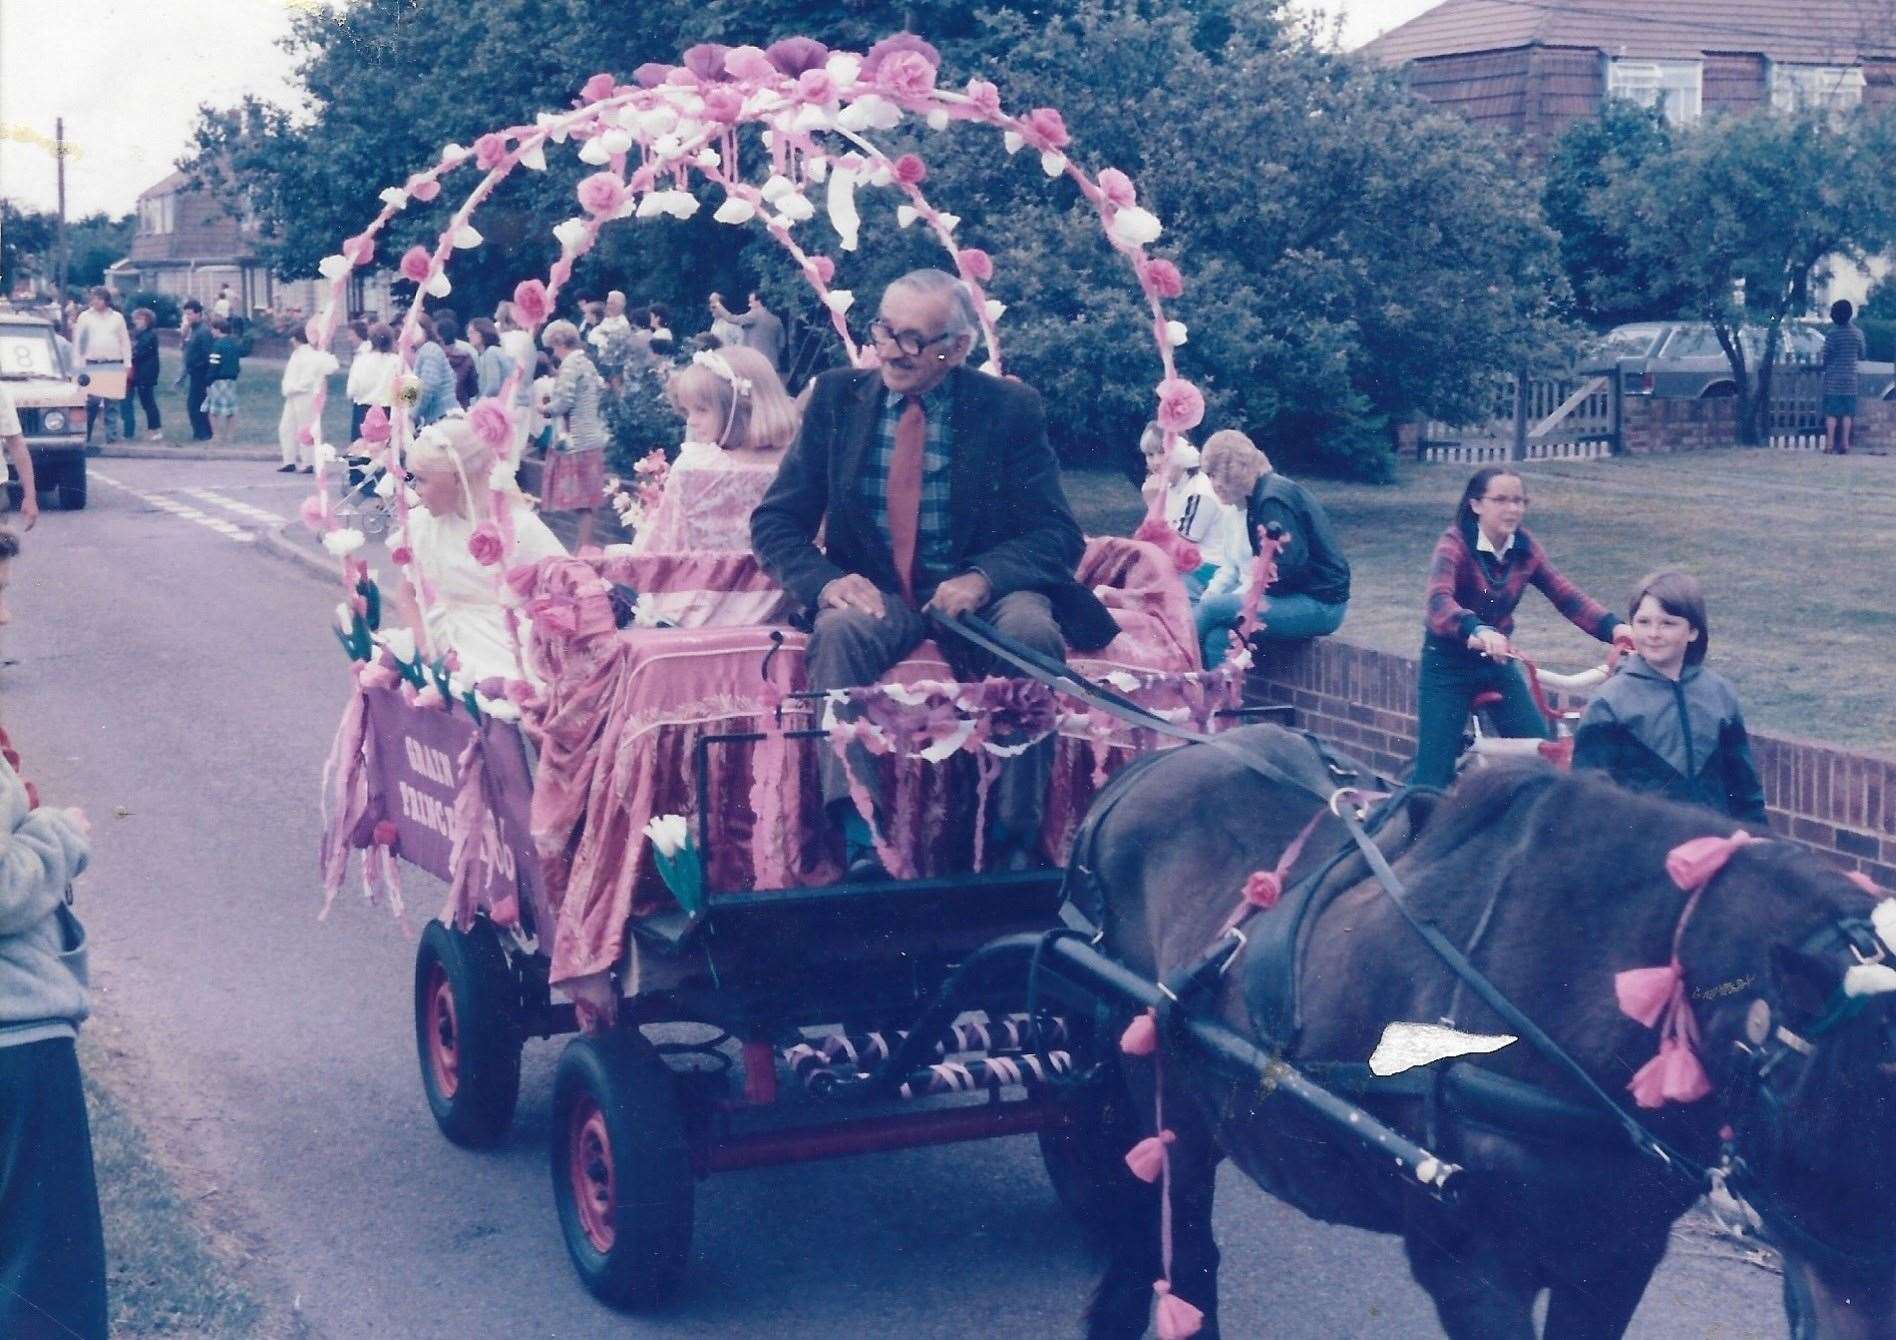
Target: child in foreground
(1665, 725)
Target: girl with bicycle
(1664, 724)
(1482, 566)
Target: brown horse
(1550, 884)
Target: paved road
(170, 668)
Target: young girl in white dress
(739, 421)
(460, 608)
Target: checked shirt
(934, 550)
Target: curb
(282, 543)
(155, 452)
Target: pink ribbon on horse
(1656, 997)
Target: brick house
(188, 245)
(1535, 68)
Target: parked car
(1683, 360)
(52, 406)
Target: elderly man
(1312, 590)
(941, 495)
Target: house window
(158, 215)
(1675, 87)
(1835, 87)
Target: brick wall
(1650, 424)
(1840, 802)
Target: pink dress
(708, 500)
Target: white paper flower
(735, 210)
(708, 159)
(840, 199)
(669, 834)
(667, 147)
(811, 117)
(658, 119)
(345, 617)
(553, 125)
(650, 206)
(1011, 141)
(939, 119)
(817, 169)
(844, 68)
(1175, 333)
(1122, 681)
(948, 222)
(385, 486)
(334, 267)
(467, 237)
(322, 454)
(616, 141)
(994, 307)
(905, 215)
(501, 477)
(438, 285)
(1135, 227)
(776, 187)
(594, 151)
(399, 642)
(871, 111)
(796, 206)
(838, 300)
(453, 153)
(343, 541)
(533, 157)
(497, 708)
(570, 232)
(1053, 164)
(396, 196)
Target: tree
(1609, 285)
(1744, 215)
(94, 243)
(25, 237)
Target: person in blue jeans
(1312, 591)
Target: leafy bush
(164, 307)
(1880, 337)
(639, 418)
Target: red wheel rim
(444, 1034)
(589, 1168)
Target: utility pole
(59, 159)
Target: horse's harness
(1772, 1049)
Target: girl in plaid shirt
(1481, 567)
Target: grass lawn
(259, 403)
(1797, 553)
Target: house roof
(171, 185)
(1814, 32)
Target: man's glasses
(911, 342)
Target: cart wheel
(622, 1175)
(466, 1033)
(1086, 1159)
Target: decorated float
(627, 824)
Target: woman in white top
(1193, 510)
(303, 375)
(104, 346)
(460, 607)
(739, 421)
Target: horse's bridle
(1776, 1060)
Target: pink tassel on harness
(1174, 1319)
(1141, 1037)
(1147, 1158)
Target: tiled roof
(175, 182)
(1815, 32)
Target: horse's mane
(1477, 801)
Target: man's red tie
(905, 492)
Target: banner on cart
(419, 752)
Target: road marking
(228, 530)
(261, 515)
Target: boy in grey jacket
(52, 1252)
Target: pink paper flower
(723, 105)
(314, 513)
(602, 194)
(895, 45)
(487, 420)
(423, 189)
(976, 264)
(485, 544)
(984, 97)
(816, 86)
(375, 426)
(751, 65)
(401, 555)
(1116, 186)
(1045, 127)
(910, 170)
(519, 692)
(706, 60)
(796, 56)
(906, 76)
(416, 262)
(530, 302)
(1163, 278)
(561, 272)
(385, 833)
(651, 74)
(360, 249)
(1181, 406)
(822, 269)
(598, 88)
(489, 149)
